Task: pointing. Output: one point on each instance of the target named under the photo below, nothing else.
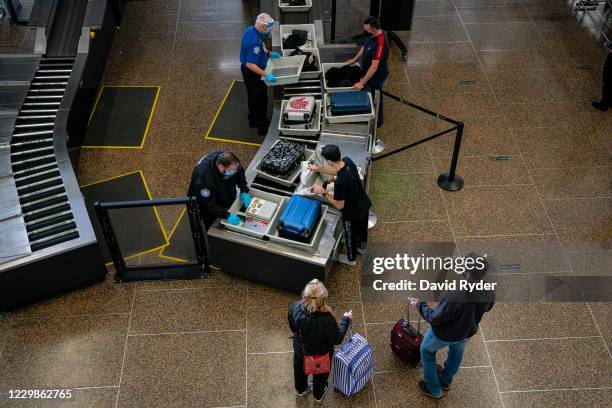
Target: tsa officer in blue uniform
(253, 60)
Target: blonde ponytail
(314, 297)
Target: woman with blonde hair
(315, 333)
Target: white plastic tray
(314, 238)
(326, 66)
(292, 179)
(362, 117)
(289, 131)
(285, 62)
(284, 6)
(286, 29)
(260, 230)
(309, 74)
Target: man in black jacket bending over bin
(606, 94)
(213, 183)
(349, 197)
(453, 322)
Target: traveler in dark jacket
(315, 332)
(214, 182)
(372, 57)
(349, 197)
(453, 322)
(606, 97)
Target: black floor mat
(231, 122)
(121, 117)
(181, 247)
(138, 230)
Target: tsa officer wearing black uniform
(253, 60)
(349, 197)
(214, 182)
(372, 58)
(606, 94)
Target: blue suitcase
(350, 103)
(299, 218)
(353, 365)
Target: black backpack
(345, 76)
(296, 38)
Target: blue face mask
(266, 31)
(228, 173)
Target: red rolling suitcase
(406, 340)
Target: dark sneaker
(306, 391)
(445, 387)
(322, 396)
(598, 105)
(425, 391)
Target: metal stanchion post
(450, 181)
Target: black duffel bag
(345, 76)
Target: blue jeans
(372, 86)
(430, 346)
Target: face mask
(228, 173)
(266, 32)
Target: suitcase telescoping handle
(408, 315)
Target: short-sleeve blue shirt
(252, 49)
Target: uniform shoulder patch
(256, 50)
(205, 192)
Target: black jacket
(607, 71)
(458, 314)
(214, 193)
(319, 330)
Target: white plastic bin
(361, 117)
(255, 228)
(287, 29)
(309, 74)
(285, 7)
(293, 64)
(292, 178)
(325, 67)
(292, 131)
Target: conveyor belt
(63, 39)
(40, 188)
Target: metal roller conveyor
(35, 168)
(42, 200)
(29, 134)
(50, 227)
(35, 159)
(41, 104)
(24, 152)
(30, 142)
(39, 192)
(45, 97)
(40, 210)
(58, 235)
(34, 125)
(49, 83)
(38, 183)
(55, 169)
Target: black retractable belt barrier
(449, 181)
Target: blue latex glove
(270, 77)
(274, 55)
(245, 199)
(233, 219)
